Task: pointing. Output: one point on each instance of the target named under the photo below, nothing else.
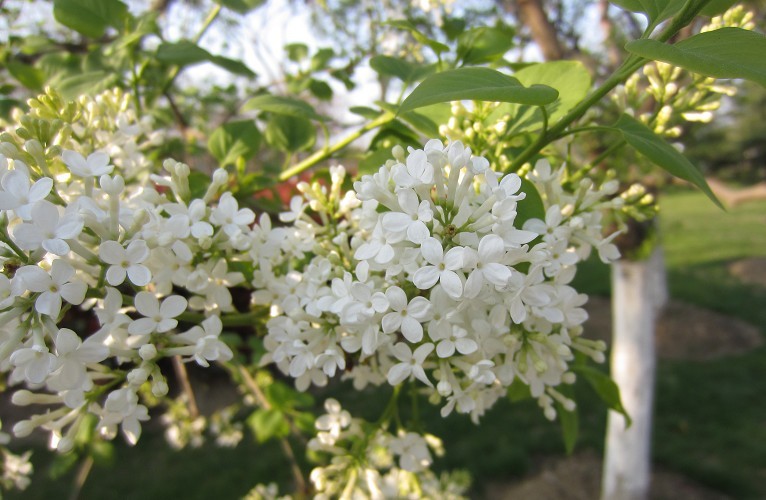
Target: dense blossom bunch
(435, 269)
(369, 462)
(86, 222)
(427, 271)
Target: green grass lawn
(710, 416)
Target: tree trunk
(638, 294)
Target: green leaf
(393, 66)
(434, 45)
(531, 207)
(232, 65)
(606, 389)
(570, 78)
(662, 154)
(234, 140)
(187, 53)
(570, 426)
(717, 7)
(372, 161)
(482, 45)
(241, 6)
(321, 59)
(320, 89)
(656, 10)
(723, 53)
(90, 17)
(284, 397)
(268, 423)
(481, 84)
(92, 82)
(29, 76)
(296, 52)
(282, 106)
(518, 391)
(290, 133)
(365, 112)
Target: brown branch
(183, 378)
(543, 31)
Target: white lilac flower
(126, 262)
(60, 284)
(230, 217)
(48, 229)
(72, 354)
(410, 365)
(405, 316)
(19, 196)
(486, 264)
(158, 317)
(96, 165)
(441, 269)
(33, 364)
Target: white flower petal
(425, 277)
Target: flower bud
(147, 352)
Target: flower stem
(327, 152)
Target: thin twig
(183, 376)
(82, 475)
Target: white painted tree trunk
(638, 293)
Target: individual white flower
(411, 364)
(455, 338)
(412, 450)
(441, 269)
(417, 171)
(411, 222)
(96, 165)
(121, 407)
(552, 229)
(230, 217)
(126, 262)
(72, 354)
(48, 229)
(33, 363)
(19, 196)
(333, 422)
(206, 343)
(158, 318)
(486, 264)
(406, 316)
(53, 287)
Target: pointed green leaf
(662, 154)
(290, 133)
(570, 78)
(320, 89)
(606, 389)
(241, 6)
(434, 45)
(282, 106)
(29, 76)
(717, 7)
(296, 52)
(531, 207)
(480, 84)
(570, 426)
(483, 44)
(234, 140)
(723, 53)
(90, 17)
(188, 53)
(88, 83)
(656, 10)
(393, 66)
(267, 424)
